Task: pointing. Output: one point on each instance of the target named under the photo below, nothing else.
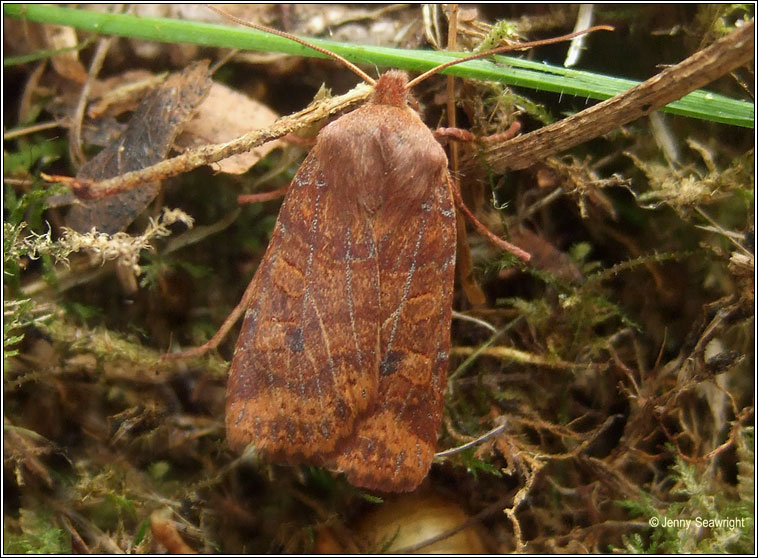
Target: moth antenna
(507, 48)
(349, 65)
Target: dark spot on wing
(390, 363)
(294, 340)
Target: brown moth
(342, 356)
(343, 353)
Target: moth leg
(214, 342)
(297, 140)
(496, 240)
(453, 133)
(510, 133)
(464, 135)
(263, 196)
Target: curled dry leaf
(32, 37)
(66, 64)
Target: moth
(343, 353)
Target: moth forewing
(297, 380)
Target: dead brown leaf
(146, 141)
(225, 115)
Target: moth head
(391, 89)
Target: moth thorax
(391, 89)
